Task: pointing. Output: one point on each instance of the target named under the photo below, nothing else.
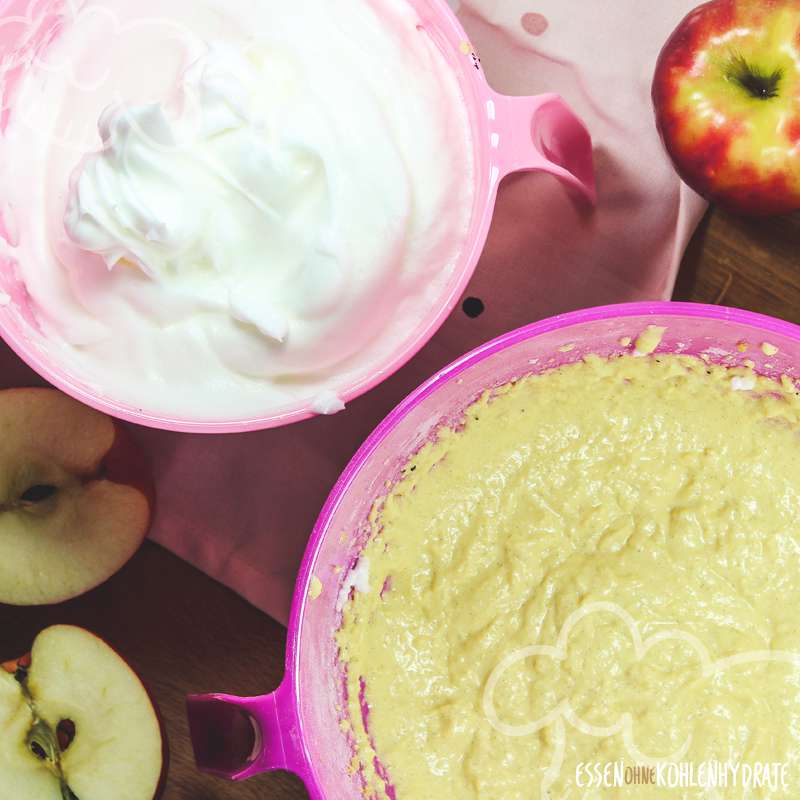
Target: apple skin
(24, 662)
(125, 463)
(12, 666)
(729, 137)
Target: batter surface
(612, 549)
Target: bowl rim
(476, 93)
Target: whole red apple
(726, 93)
(76, 723)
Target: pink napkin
(241, 507)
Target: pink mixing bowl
(297, 727)
(510, 134)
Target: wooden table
(185, 633)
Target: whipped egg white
(233, 208)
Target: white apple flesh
(21, 774)
(74, 500)
(115, 751)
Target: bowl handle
(238, 737)
(543, 133)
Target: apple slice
(74, 499)
(77, 724)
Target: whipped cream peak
(197, 191)
(218, 89)
(249, 308)
(327, 403)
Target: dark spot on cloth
(473, 307)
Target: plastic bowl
(298, 725)
(509, 133)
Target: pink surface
(241, 507)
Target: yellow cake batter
(612, 549)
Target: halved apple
(77, 724)
(75, 502)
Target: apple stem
(756, 82)
(21, 677)
(66, 792)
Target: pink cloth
(241, 507)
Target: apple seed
(38, 494)
(65, 733)
(38, 751)
(36, 499)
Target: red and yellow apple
(726, 93)
(76, 723)
(75, 500)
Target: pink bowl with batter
(298, 726)
(510, 134)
